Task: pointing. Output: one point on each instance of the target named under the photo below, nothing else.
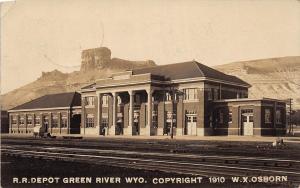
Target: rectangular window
(90, 120)
(90, 101)
(250, 118)
(46, 120)
(216, 94)
(14, 120)
(247, 111)
(29, 119)
(190, 94)
(209, 93)
(267, 116)
(194, 119)
(54, 121)
(105, 100)
(221, 117)
(22, 121)
(278, 116)
(37, 120)
(154, 118)
(64, 121)
(104, 122)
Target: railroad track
(163, 146)
(190, 164)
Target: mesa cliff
(95, 63)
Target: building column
(83, 116)
(99, 113)
(149, 125)
(131, 110)
(112, 130)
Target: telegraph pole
(173, 104)
(290, 119)
(290, 115)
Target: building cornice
(40, 109)
(185, 80)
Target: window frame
(90, 121)
(190, 94)
(104, 100)
(29, 119)
(279, 118)
(89, 101)
(269, 119)
(64, 121)
(54, 121)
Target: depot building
(189, 97)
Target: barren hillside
(273, 78)
(96, 63)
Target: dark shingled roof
(191, 69)
(52, 101)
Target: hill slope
(96, 63)
(273, 78)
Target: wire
(56, 64)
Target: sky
(43, 35)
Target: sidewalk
(199, 138)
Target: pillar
(130, 123)
(112, 130)
(99, 113)
(149, 126)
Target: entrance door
(191, 125)
(247, 121)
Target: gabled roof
(52, 101)
(190, 69)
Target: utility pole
(291, 126)
(173, 104)
(290, 115)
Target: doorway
(191, 124)
(75, 124)
(247, 122)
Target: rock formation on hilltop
(100, 58)
(96, 63)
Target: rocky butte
(95, 63)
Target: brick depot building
(197, 100)
(56, 113)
